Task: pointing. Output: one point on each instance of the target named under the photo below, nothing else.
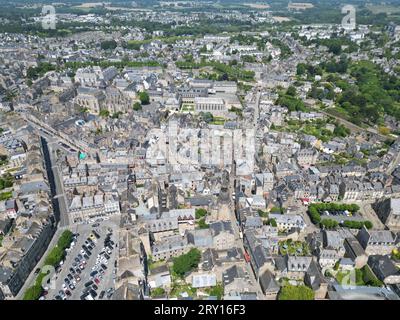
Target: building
(376, 242)
(288, 222)
(355, 252)
(223, 235)
(169, 247)
(91, 99)
(388, 211)
(384, 269)
(216, 106)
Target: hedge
(53, 258)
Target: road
(257, 109)
(354, 127)
(47, 131)
(237, 232)
(60, 194)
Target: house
(388, 211)
(355, 252)
(376, 242)
(5, 225)
(235, 280)
(169, 247)
(328, 258)
(259, 256)
(216, 106)
(287, 222)
(201, 238)
(316, 281)
(223, 235)
(307, 157)
(159, 277)
(384, 269)
(297, 266)
(269, 286)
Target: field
(257, 5)
(376, 9)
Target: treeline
(231, 73)
(105, 64)
(34, 73)
(52, 259)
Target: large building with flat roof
(207, 104)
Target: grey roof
(220, 226)
(383, 266)
(232, 273)
(268, 283)
(260, 256)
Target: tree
(289, 292)
(329, 223)
(33, 293)
(137, 106)
(217, 291)
(207, 116)
(291, 91)
(108, 44)
(104, 113)
(54, 257)
(144, 98)
(272, 222)
(301, 69)
(186, 262)
(202, 224)
(156, 292)
(200, 213)
(65, 239)
(368, 224)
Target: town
(193, 150)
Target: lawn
(345, 278)
(5, 195)
(218, 120)
(179, 289)
(187, 107)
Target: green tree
(291, 91)
(272, 222)
(33, 293)
(200, 213)
(65, 239)
(144, 98)
(186, 262)
(137, 106)
(108, 44)
(104, 113)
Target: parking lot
(88, 271)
